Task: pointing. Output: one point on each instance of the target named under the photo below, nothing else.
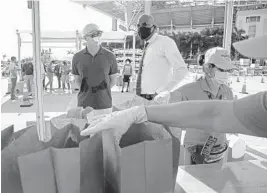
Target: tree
(237, 35)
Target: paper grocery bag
(8, 135)
(50, 171)
(107, 164)
(141, 163)
(147, 167)
(27, 143)
(69, 132)
(92, 165)
(150, 131)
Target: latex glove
(120, 121)
(162, 97)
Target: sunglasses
(144, 25)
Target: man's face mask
(221, 77)
(145, 32)
(218, 75)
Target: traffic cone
(244, 89)
(26, 100)
(196, 77)
(262, 79)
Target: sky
(55, 15)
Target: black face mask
(144, 32)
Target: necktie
(139, 76)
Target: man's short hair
(13, 58)
(128, 60)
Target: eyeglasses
(221, 70)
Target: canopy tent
(113, 37)
(63, 39)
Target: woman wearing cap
(246, 116)
(213, 86)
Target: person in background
(58, 73)
(27, 72)
(162, 67)
(13, 69)
(65, 75)
(44, 65)
(213, 86)
(95, 72)
(43, 74)
(127, 73)
(50, 77)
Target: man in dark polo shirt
(94, 69)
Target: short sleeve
(251, 111)
(114, 65)
(74, 66)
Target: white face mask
(221, 77)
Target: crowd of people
(60, 69)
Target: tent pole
(228, 25)
(133, 63)
(124, 51)
(19, 52)
(44, 133)
(77, 40)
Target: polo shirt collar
(208, 86)
(101, 50)
(153, 37)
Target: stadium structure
(170, 16)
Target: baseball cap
(253, 48)
(146, 21)
(91, 29)
(219, 57)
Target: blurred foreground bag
(65, 134)
(144, 161)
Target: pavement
(58, 102)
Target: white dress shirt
(163, 65)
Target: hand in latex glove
(162, 97)
(120, 121)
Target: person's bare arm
(113, 79)
(75, 72)
(77, 80)
(211, 116)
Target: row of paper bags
(145, 161)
